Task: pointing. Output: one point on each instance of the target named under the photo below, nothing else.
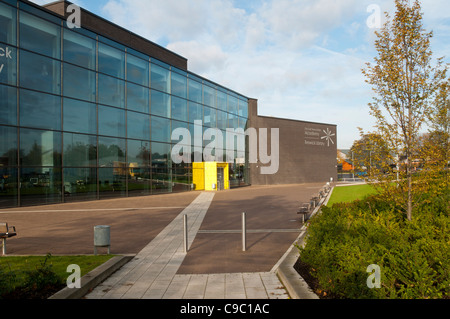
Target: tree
(405, 83)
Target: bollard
(102, 238)
(185, 232)
(244, 233)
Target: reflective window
(40, 36)
(160, 103)
(111, 91)
(233, 121)
(179, 85)
(111, 121)
(40, 185)
(8, 146)
(222, 120)
(232, 104)
(40, 73)
(222, 101)
(40, 110)
(161, 131)
(7, 24)
(160, 158)
(179, 109)
(243, 108)
(8, 105)
(112, 181)
(79, 117)
(195, 91)
(79, 50)
(243, 123)
(138, 155)
(79, 150)
(209, 96)
(160, 78)
(137, 70)
(195, 112)
(80, 184)
(111, 61)
(8, 65)
(40, 148)
(138, 98)
(8, 186)
(79, 83)
(111, 152)
(138, 126)
(210, 116)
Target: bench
(304, 210)
(5, 232)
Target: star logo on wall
(328, 136)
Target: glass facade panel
(138, 126)
(179, 85)
(112, 182)
(222, 120)
(160, 104)
(8, 187)
(8, 25)
(160, 78)
(111, 91)
(40, 110)
(79, 150)
(40, 148)
(179, 109)
(222, 101)
(40, 185)
(8, 105)
(8, 65)
(111, 121)
(137, 70)
(209, 96)
(138, 98)
(79, 50)
(79, 117)
(111, 61)
(232, 105)
(195, 112)
(79, 83)
(80, 184)
(161, 131)
(8, 146)
(111, 152)
(40, 36)
(243, 109)
(138, 154)
(195, 91)
(210, 117)
(40, 73)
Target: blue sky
(301, 59)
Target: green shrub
(414, 256)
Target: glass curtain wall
(83, 117)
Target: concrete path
(152, 274)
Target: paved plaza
(151, 229)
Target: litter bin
(102, 236)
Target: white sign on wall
(319, 137)
(5, 55)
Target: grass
(347, 194)
(20, 265)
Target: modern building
(87, 113)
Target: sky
(301, 59)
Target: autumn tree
(405, 83)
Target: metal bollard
(185, 232)
(102, 238)
(244, 232)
